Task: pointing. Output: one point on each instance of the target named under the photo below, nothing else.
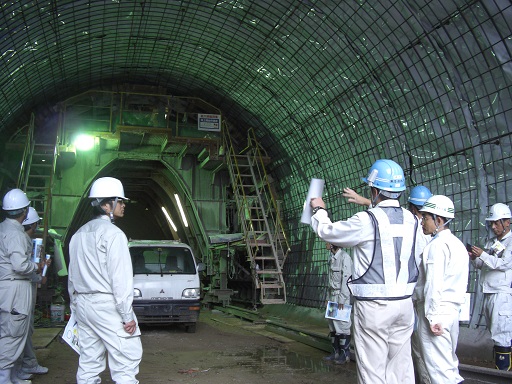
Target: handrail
(27, 156)
(271, 197)
(266, 232)
(49, 198)
(231, 157)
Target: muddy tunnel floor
(224, 349)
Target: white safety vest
(392, 273)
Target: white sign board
(209, 123)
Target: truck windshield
(162, 260)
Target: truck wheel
(190, 328)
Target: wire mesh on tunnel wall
(329, 87)
(424, 102)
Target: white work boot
(24, 376)
(37, 370)
(15, 379)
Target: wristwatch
(316, 209)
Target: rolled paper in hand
(45, 266)
(316, 189)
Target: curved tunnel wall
(329, 86)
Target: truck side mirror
(201, 267)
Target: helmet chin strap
(438, 227)
(375, 198)
(111, 214)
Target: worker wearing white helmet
(29, 365)
(381, 286)
(101, 290)
(446, 270)
(16, 267)
(495, 262)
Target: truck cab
(166, 286)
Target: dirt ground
(224, 350)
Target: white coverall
(446, 267)
(15, 291)
(340, 268)
(419, 362)
(382, 328)
(496, 282)
(101, 291)
(29, 355)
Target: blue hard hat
(419, 195)
(386, 175)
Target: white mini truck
(166, 287)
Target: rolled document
(316, 189)
(45, 266)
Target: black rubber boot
(502, 357)
(335, 346)
(344, 345)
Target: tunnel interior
(327, 87)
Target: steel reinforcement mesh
(425, 104)
(329, 87)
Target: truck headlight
(190, 293)
(137, 293)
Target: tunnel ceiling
(329, 85)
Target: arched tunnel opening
(176, 106)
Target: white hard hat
(15, 199)
(439, 205)
(498, 211)
(32, 217)
(105, 187)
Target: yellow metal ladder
(36, 176)
(267, 245)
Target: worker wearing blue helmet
(383, 277)
(417, 197)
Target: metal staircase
(267, 245)
(36, 176)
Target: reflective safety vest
(393, 272)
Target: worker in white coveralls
(340, 268)
(446, 268)
(419, 194)
(16, 267)
(101, 290)
(29, 365)
(495, 262)
(417, 199)
(384, 275)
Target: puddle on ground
(267, 358)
